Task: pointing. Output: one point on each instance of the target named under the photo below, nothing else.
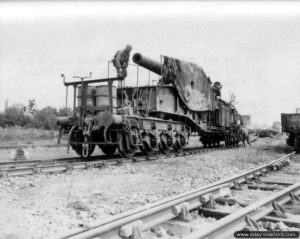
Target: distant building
(246, 120)
(297, 110)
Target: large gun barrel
(147, 63)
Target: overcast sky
(252, 48)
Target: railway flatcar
(291, 126)
(151, 118)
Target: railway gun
(150, 118)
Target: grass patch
(28, 136)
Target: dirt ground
(41, 206)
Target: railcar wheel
(177, 147)
(124, 147)
(182, 141)
(230, 141)
(203, 141)
(237, 141)
(290, 141)
(233, 141)
(147, 149)
(77, 136)
(204, 144)
(179, 144)
(297, 144)
(90, 150)
(164, 148)
(108, 149)
(163, 145)
(148, 145)
(87, 148)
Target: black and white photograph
(149, 119)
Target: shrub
(41, 119)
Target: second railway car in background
(150, 118)
(291, 125)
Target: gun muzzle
(147, 63)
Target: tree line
(30, 117)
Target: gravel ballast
(40, 206)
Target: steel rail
(261, 170)
(35, 164)
(123, 225)
(39, 161)
(47, 145)
(14, 164)
(225, 227)
(106, 226)
(50, 168)
(22, 168)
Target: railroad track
(30, 167)
(264, 199)
(24, 145)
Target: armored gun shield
(192, 84)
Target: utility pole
(6, 104)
